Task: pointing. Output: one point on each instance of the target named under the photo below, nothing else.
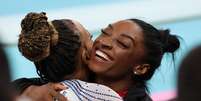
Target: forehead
(127, 26)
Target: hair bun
(35, 37)
(170, 42)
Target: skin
(45, 92)
(39, 93)
(86, 45)
(122, 43)
(123, 47)
(83, 54)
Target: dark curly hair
(52, 46)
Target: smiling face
(117, 50)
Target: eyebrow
(110, 25)
(127, 36)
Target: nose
(106, 43)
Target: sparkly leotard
(82, 91)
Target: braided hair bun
(36, 37)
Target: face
(117, 50)
(86, 42)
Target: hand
(47, 92)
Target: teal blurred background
(183, 18)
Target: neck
(81, 72)
(115, 84)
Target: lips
(101, 59)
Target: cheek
(123, 55)
(124, 59)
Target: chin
(97, 68)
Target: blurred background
(182, 17)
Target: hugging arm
(21, 84)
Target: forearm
(21, 84)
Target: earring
(135, 72)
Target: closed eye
(104, 32)
(123, 45)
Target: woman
(53, 47)
(126, 55)
(59, 50)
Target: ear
(85, 56)
(141, 69)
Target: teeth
(103, 55)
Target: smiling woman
(60, 51)
(126, 55)
(123, 57)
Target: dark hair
(189, 74)
(157, 42)
(52, 47)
